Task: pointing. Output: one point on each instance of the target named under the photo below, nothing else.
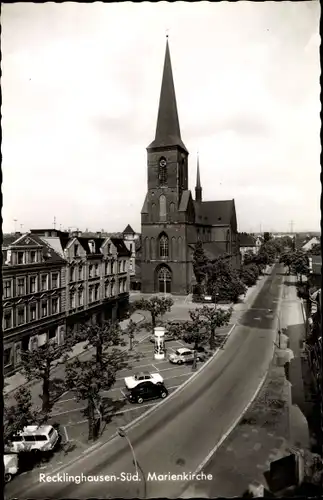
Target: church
(171, 220)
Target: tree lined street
(211, 403)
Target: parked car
(34, 438)
(146, 391)
(138, 378)
(10, 461)
(183, 355)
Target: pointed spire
(167, 131)
(198, 188)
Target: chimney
(98, 233)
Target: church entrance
(164, 280)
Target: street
(178, 436)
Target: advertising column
(159, 351)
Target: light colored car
(34, 438)
(10, 462)
(138, 378)
(182, 355)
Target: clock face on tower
(162, 162)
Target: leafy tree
(267, 237)
(202, 327)
(300, 264)
(249, 258)
(101, 336)
(315, 250)
(157, 306)
(249, 274)
(131, 329)
(39, 363)
(89, 377)
(287, 259)
(200, 264)
(17, 416)
(224, 281)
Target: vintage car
(138, 378)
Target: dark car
(146, 391)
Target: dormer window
(92, 246)
(33, 256)
(20, 257)
(109, 247)
(76, 250)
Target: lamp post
(122, 433)
(279, 326)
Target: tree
(89, 377)
(224, 281)
(267, 237)
(157, 306)
(287, 259)
(315, 250)
(101, 336)
(300, 264)
(249, 274)
(200, 264)
(131, 330)
(39, 363)
(202, 327)
(249, 258)
(17, 416)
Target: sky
(80, 91)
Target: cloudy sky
(81, 85)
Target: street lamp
(122, 433)
(279, 326)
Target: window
(44, 282)
(91, 294)
(32, 256)
(90, 271)
(54, 305)
(96, 292)
(72, 300)
(21, 315)
(120, 286)
(7, 356)
(162, 171)
(20, 257)
(72, 273)
(20, 286)
(119, 266)
(76, 250)
(55, 280)
(111, 289)
(7, 289)
(163, 246)
(80, 297)
(33, 312)
(92, 246)
(97, 273)
(162, 207)
(44, 309)
(112, 266)
(106, 267)
(33, 284)
(7, 319)
(80, 272)
(124, 266)
(109, 247)
(107, 289)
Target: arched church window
(162, 171)
(164, 280)
(163, 246)
(162, 207)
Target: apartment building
(34, 292)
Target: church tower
(168, 208)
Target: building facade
(171, 220)
(54, 282)
(34, 298)
(249, 243)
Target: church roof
(184, 200)
(246, 240)
(167, 131)
(215, 213)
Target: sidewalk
(17, 380)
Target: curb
(31, 384)
(177, 390)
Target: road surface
(176, 437)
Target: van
(34, 438)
